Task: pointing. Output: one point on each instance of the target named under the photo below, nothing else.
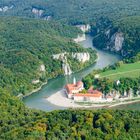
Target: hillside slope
(72, 11)
(108, 18)
(20, 123)
(27, 48)
(120, 36)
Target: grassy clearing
(125, 70)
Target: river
(38, 99)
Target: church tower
(74, 81)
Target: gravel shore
(60, 99)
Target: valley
(38, 99)
(59, 59)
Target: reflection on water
(38, 100)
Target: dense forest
(26, 44)
(19, 123)
(114, 16)
(109, 31)
(93, 125)
(73, 11)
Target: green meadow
(126, 70)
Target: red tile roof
(95, 94)
(79, 83)
(71, 87)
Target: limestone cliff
(80, 38)
(42, 68)
(37, 12)
(84, 28)
(63, 57)
(65, 65)
(66, 68)
(81, 57)
(112, 39)
(47, 18)
(116, 42)
(6, 8)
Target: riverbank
(45, 83)
(35, 90)
(38, 101)
(60, 99)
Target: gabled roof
(71, 87)
(95, 94)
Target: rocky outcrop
(107, 33)
(37, 12)
(114, 42)
(84, 28)
(117, 42)
(42, 68)
(47, 18)
(35, 81)
(66, 68)
(81, 57)
(59, 56)
(6, 8)
(80, 38)
(65, 65)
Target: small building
(109, 98)
(74, 91)
(95, 96)
(74, 88)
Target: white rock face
(117, 40)
(81, 57)
(84, 28)
(6, 8)
(107, 33)
(47, 18)
(37, 12)
(35, 81)
(42, 68)
(65, 66)
(59, 56)
(80, 38)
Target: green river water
(38, 99)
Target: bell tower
(74, 81)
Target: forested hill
(121, 36)
(19, 123)
(71, 11)
(28, 45)
(100, 14)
